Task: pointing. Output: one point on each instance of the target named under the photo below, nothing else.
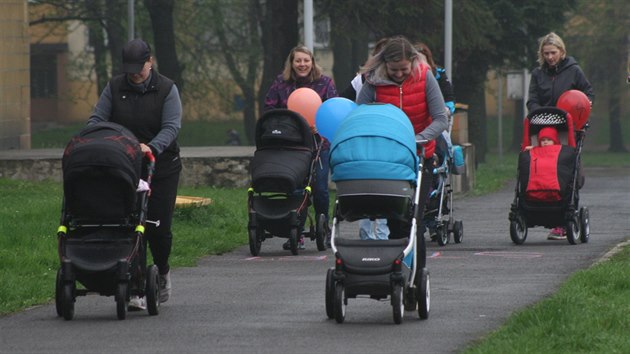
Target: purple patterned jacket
(279, 91)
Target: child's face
(546, 142)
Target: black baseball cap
(135, 53)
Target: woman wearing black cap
(148, 104)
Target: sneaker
(137, 303)
(557, 233)
(301, 243)
(165, 286)
(286, 245)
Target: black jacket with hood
(548, 83)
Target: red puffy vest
(411, 98)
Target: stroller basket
(374, 257)
(363, 199)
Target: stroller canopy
(548, 117)
(283, 128)
(375, 141)
(284, 152)
(101, 169)
(104, 144)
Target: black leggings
(161, 207)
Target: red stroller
(548, 179)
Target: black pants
(161, 206)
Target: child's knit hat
(549, 133)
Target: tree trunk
(279, 35)
(477, 124)
(114, 14)
(96, 39)
(517, 128)
(161, 12)
(349, 47)
(616, 138)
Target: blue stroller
(375, 167)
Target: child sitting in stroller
(548, 136)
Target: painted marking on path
(510, 254)
(440, 255)
(288, 258)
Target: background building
(15, 127)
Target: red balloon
(305, 101)
(577, 104)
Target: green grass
(30, 214)
(587, 314)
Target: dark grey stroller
(282, 172)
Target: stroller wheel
(397, 303)
(340, 303)
(585, 229)
(122, 299)
(58, 294)
(67, 301)
(321, 232)
(293, 241)
(255, 240)
(458, 231)
(152, 290)
(424, 294)
(573, 230)
(330, 293)
(410, 301)
(518, 230)
(442, 235)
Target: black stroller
(549, 197)
(280, 191)
(100, 237)
(376, 171)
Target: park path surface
(234, 303)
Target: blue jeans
(321, 199)
(373, 230)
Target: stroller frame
(284, 213)
(390, 268)
(443, 224)
(524, 214)
(107, 255)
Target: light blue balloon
(330, 115)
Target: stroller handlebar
(149, 156)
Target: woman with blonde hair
(301, 70)
(555, 74)
(399, 75)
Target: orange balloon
(305, 101)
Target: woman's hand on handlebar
(146, 150)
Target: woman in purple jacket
(300, 70)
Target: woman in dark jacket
(556, 74)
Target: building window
(44, 76)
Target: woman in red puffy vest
(397, 75)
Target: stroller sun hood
(375, 141)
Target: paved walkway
(235, 303)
